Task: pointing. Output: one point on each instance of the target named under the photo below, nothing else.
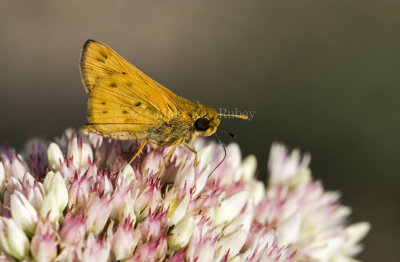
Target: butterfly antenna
(222, 158)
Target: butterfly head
(205, 121)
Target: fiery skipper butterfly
(126, 104)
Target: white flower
(257, 191)
(230, 208)
(243, 221)
(54, 155)
(181, 233)
(178, 208)
(248, 168)
(50, 208)
(126, 175)
(288, 231)
(12, 239)
(80, 151)
(282, 166)
(124, 240)
(54, 182)
(23, 213)
(231, 244)
(128, 211)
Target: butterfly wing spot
(129, 84)
(109, 71)
(103, 103)
(138, 103)
(103, 54)
(113, 85)
(124, 112)
(124, 73)
(100, 60)
(105, 112)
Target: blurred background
(322, 76)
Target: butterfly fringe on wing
(126, 104)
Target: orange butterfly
(126, 104)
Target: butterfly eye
(202, 124)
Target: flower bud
(181, 233)
(257, 191)
(283, 166)
(44, 245)
(18, 167)
(356, 232)
(95, 249)
(79, 191)
(230, 244)
(128, 211)
(2, 181)
(125, 176)
(124, 240)
(50, 208)
(177, 209)
(97, 214)
(35, 195)
(54, 182)
(230, 207)
(289, 230)
(243, 221)
(203, 241)
(23, 213)
(73, 230)
(54, 156)
(248, 168)
(13, 241)
(80, 151)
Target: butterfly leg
(191, 148)
(168, 156)
(144, 143)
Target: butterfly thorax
(190, 124)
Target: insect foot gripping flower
(77, 199)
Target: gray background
(321, 75)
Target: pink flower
(73, 230)
(155, 250)
(97, 213)
(95, 249)
(95, 207)
(44, 244)
(124, 240)
(154, 225)
(79, 191)
(203, 242)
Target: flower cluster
(78, 200)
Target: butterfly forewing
(123, 102)
(99, 62)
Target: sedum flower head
(76, 199)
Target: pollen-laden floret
(76, 199)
